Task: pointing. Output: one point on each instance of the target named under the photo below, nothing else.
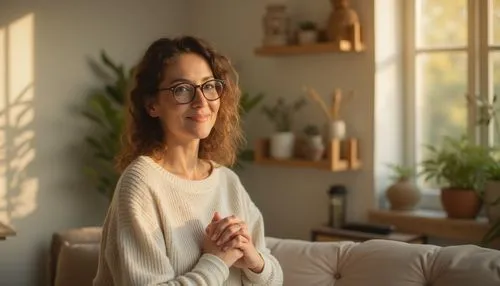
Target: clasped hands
(228, 238)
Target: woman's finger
(230, 232)
(222, 224)
(238, 241)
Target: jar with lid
(276, 24)
(337, 206)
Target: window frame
(479, 76)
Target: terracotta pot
(403, 195)
(460, 203)
(492, 194)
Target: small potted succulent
(283, 139)
(315, 147)
(307, 33)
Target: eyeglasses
(185, 92)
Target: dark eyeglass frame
(200, 86)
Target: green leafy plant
(492, 234)
(494, 231)
(281, 114)
(311, 130)
(307, 26)
(488, 112)
(248, 103)
(458, 164)
(104, 108)
(401, 172)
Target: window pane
(495, 68)
(441, 23)
(495, 15)
(441, 85)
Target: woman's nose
(199, 98)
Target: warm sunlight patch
(18, 187)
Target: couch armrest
(84, 235)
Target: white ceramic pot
(337, 130)
(492, 194)
(282, 145)
(305, 37)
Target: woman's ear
(152, 107)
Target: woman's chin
(200, 133)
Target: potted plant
(402, 194)
(307, 33)
(104, 108)
(315, 147)
(460, 168)
(488, 114)
(281, 114)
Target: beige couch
(377, 262)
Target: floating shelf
(317, 48)
(335, 160)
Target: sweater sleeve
(272, 273)
(138, 255)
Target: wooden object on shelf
(334, 234)
(6, 231)
(334, 161)
(316, 48)
(433, 223)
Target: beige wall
(51, 193)
(46, 43)
(295, 200)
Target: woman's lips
(199, 118)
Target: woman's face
(183, 119)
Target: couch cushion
(77, 264)
(384, 263)
(307, 263)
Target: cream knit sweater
(154, 228)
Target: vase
(282, 145)
(403, 195)
(340, 19)
(337, 130)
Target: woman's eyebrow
(187, 80)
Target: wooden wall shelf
(317, 48)
(335, 161)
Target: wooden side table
(6, 231)
(333, 234)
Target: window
(452, 50)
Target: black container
(337, 206)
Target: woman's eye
(183, 88)
(209, 86)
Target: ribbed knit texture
(154, 229)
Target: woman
(178, 216)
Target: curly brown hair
(143, 134)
